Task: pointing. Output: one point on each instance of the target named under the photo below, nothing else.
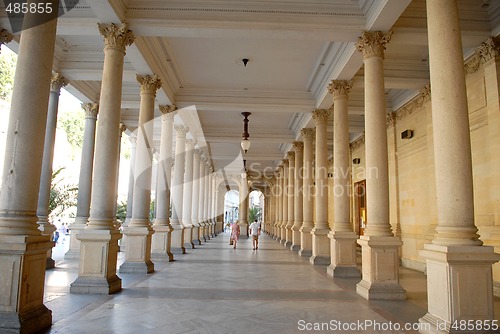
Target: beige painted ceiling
(295, 48)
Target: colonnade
(185, 205)
(457, 262)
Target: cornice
(358, 142)
(488, 50)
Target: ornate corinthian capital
(181, 130)
(149, 83)
(57, 82)
(167, 111)
(116, 37)
(91, 110)
(298, 146)
(372, 44)
(309, 134)
(340, 88)
(321, 115)
(291, 156)
(5, 37)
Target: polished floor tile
(217, 289)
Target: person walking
(255, 232)
(235, 233)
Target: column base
(74, 244)
(22, 282)
(96, 285)
(343, 255)
(98, 259)
(288, 236)
(34, 321)
(160, 242)
(138, 253)
(196, 235)
(459, 285)
(47, 229)
(295, 239)
(380, 291)
(177, 239)
(305, 241)
(320, 247)
(188, 238)
(380, 268)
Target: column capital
(340, 88)
(198, 153)
(284, 162)
(168, 109)
(5, 37)
(181, 130)
(372, 43)
(291, 157)
(57, 82)
(190, 144)
(309, 134)
(133, 139)
(321, 115)
(123, 127)
(149, 83)
(298, 146)
(116, 36)
(91, 110)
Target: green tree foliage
(8, 60)
(73, 123)
(121, 212)
(62, 196)
(253, 214)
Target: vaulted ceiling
(295, 48)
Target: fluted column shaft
(161, 243)
(188, 194)
(196, 197)
(298, 195)
(57, 82)
(342, 238)
(85, 180)
(279, 195)
(131, 180)
(459, 269)
(23, 248)
(309, 135)
(284, 194)
(320, 241)
(290, 191)
(177, 190)
(379, 247)
(201, 200)
(99, 240)
(139, 231)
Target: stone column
(279, 202)
(85, 180)
(196, 197)
(309, 136)
(298, 195)
(99, 240)
(379, 246)
(342, 237)
(23, 247)
(459, 273)
(290, 190)
(139, 231)
(201, 200)
(47, 228)
(161, 241)
(213, 210)
(208, 202)
(320, 241)
(177, 242)
(188, 195)
(243, 221)
(284, 194)
(130, 193)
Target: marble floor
(218, 289)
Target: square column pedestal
(196, 235)
(459, 288)
(380, 269)
(177, 240)
(98, 257)
(138, 251)
(188, 237)
(161, 243)
(320, 247)
(343, 254)
(295, 239)
(74, 244)
(305, 241)
(22, 281)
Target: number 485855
(33, 8)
